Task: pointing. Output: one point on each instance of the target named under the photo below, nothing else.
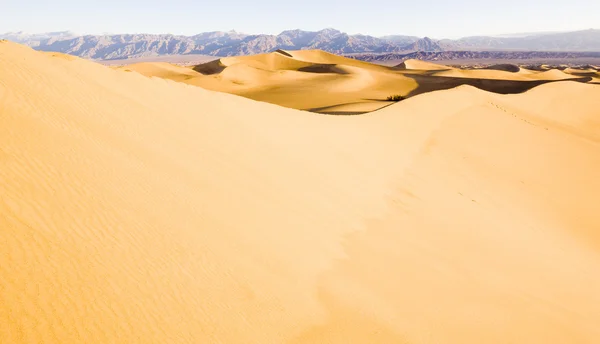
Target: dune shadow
(283, 52)
(430, 83)
(505, 67)
(323, 68)
(323, 110)
(342, 113)
(404, 68)
(375, 100)
(210, 68)
(584, 74)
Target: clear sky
(433, 18)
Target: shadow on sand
(323, 110)
(429, 83)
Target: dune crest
(145, 210)
(505, 67)
(421, 65)
(318, 81)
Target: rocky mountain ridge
(231, 43)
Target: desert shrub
(396, 98)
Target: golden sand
(143, 210)
(317, 81)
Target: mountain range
(578, 57)
(231, 43)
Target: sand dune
(319, 56)
(162, 70)
(484, 74)
(580, 71)
(592, 72)
(270, 61)
(507, 67)
(553, 74)
(353, 108)
(551, 103)
(143, 210)
(521, 75)
(317, 81)
(421, 65)
(305, 80)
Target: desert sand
(145, 210)
(185, 60)
(320, 82)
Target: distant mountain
(423, 44)
(475, 55)
(34, 40)
(400, 40)
(586, 40)
(330, 40)
(121, 46)
(525, 34)
(219, 43)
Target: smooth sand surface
(521, 75)
(507, 67)
(422, 65)
(580, 70)
(143, 210)
(320, 82)
(484, 74)
(305, 80)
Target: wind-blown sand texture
(143, 210)
(321, 82)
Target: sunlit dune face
(320, 82)
(149, 210)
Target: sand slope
(321, 82)
(521, 75)
(305, 80)
(421, 65)
(142, 210)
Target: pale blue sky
(433, 18)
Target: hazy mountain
(328, 39)
(477, 55)
(400, 39)
(209, 43)
(525, 34)
(586, 40)
(121, 46)
(219, 43)
(34, 40)
(423, 44)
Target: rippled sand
(138, 210)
